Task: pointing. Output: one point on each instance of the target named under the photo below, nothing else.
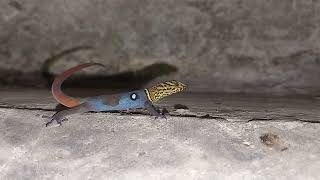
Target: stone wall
(215, 45)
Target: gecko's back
(122, 101)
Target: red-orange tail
(56, 85)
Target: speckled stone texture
(216, 137)
(217, 45)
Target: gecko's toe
(48, 123)
(161, 116)
(58, 120)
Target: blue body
(122, 101)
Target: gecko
(137, 99)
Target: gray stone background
(216, 45)
(252, 46)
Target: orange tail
(56, 85)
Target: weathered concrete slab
(109, 146)
(115, 146)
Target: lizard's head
(164, 89)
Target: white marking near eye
(133, 96)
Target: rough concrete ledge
(115, 146)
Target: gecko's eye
(134, 96)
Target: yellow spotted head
(164, 89)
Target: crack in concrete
(206, 116)
(25, 108)
(275, 120)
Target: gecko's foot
(162, 116)
(126, 112)
(57, 119)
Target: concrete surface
(217, 45)
(219, 136)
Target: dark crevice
(26, 108)
(141, 112)
(208, 116)
(183, 115)
(308, 121)
(128, 80)
(281, 120)
(260, 119)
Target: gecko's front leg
(60, 116)
(152, 110)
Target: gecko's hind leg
(60, 116)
